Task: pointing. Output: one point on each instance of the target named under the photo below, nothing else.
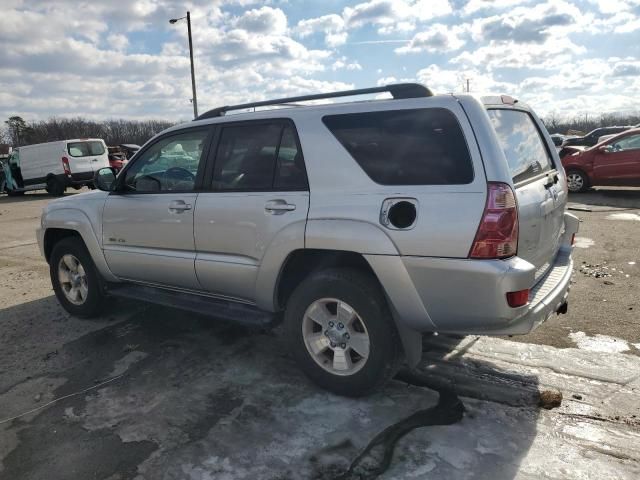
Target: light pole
(193, 75)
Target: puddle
(583, 242)
(624, 216)
(599, 343)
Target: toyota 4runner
(362, 224)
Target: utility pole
(468, 85)
(194, 100)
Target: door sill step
(236, 312)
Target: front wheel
(341, 332)
(75, 280)
(577, 181)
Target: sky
(122, 58)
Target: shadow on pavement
(617, 197)
(196, 398)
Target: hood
(77, 200)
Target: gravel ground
(152, 393)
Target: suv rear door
(257, 202)
(540, 194)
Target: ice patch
(599, 343)
(584, 242)
(624, 216)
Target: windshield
(85, 149)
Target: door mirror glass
(104, 179)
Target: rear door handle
(278, 207)
(179, 206)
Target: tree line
(585, 123)
(17, 131)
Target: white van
(55, 166)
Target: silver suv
(362, 225)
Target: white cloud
(332, 26)
(118, 42)
(438, 38)
(344, 63)
(264, 20)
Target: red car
(616, 161)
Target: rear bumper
(464, 296)
(77, 179)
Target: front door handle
(278, 207)
(179, 206)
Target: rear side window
(521, 142)
(406, 147)
(259, 157)
(85, 149)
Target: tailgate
(540, 195)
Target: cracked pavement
(189, 397)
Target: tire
(88, 303)
(55, 187)
(359, 297)
(577, 181)
(13, 193)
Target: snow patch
(624, 216)
(599, 343)
(584, 242)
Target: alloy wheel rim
(73, 279)
(574, 182)
(335, 336)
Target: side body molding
(77, 220)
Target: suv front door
(258, 192)
(148, 220)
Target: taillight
(497, 235)
(65, 166)
(518, 299)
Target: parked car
(362, 224)
(591, 138)
(616, 161)
(54, 166)
(3, 178)
(117, 158)
(129, 149)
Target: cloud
(524, 24)
(438, 38)
(118, 42)
(265, 20)
(332, 26)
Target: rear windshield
(521, 142)
(406, 147)
(85, 149)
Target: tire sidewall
(55, 187)
(92, 305)
(366, 298)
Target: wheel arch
(67, 222)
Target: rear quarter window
(521, 143)
(405, 147)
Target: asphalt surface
(147, 392)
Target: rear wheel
(74, 277)
(55, 187)
(577, 181)
(341, 332)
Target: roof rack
(397, 91)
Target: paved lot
(153, 393)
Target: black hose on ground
(376, 458)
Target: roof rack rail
(397, 91)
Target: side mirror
(604, 148)
(104, 179)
